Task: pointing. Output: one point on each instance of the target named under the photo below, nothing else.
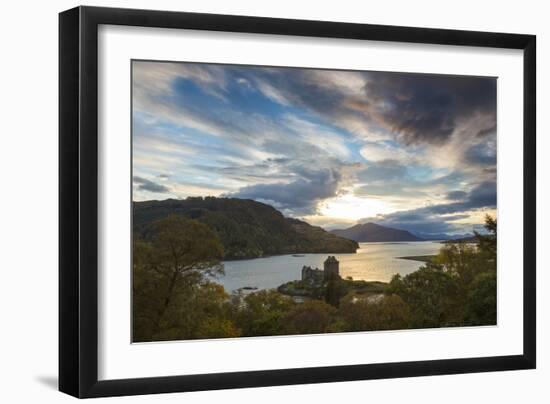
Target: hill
(246, 228)
(374, 232)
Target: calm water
(372, 262)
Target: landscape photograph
(274, 201)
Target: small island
(327, 284)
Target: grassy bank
(421, 258)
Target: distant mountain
(246, 228)
(374, 232)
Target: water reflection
(372, 262)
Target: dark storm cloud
(483, 195)
(147, 185)
(438, 218)
(427, 108)
(418, 108)
(316, 91)
(481, 154)
(299, 196)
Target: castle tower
(331, 268)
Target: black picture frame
(78, 201)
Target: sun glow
(351, 207)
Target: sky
(334, 148)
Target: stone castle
(315, 276)
(331, 268)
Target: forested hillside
(246, 228)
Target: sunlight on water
(372, 262)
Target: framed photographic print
(251, 201)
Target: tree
(458, 287)
(487, 243)
(202, 310)
(334, 290)
(432, 296)
(262, 313)
(481, 307)
(468, 260)
(462, 259)
(310, 317)
(175, 261)
(387, 312)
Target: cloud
(406, 185)
(441, 218)
(483, 195)
(185, 98)
(482, 154)
(412, 108)
(384, 170)
(147, 185)
(300, 196)
(457, 195)
(157, 78)
(379, 151)
(491, 130)
(429, 108)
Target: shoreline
(419, 258)
(301, 254)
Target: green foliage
(487, 244)
(388, 312)
(184, 247)
(457, 288)
(481, 306)
(198, 311)
(364, 287)
(262, 313)
(334, 290)
(310, 317)
(431, 294)
(462, 259)
(302, 288)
